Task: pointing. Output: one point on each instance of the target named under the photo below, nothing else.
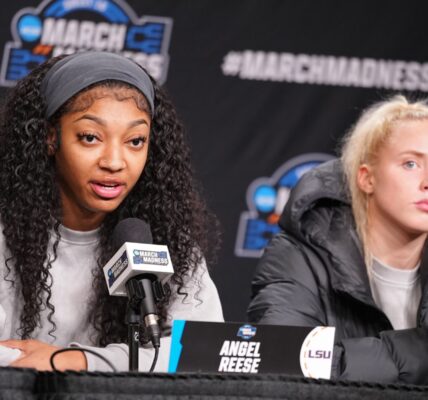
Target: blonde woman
(351, 250)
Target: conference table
(26, 384)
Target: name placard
(251, 348)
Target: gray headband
(78, 71)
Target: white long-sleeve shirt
(71, 294)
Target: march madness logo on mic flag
(66, 26)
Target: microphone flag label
(116, 270)
(133, 259)
(150, 257)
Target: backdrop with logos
(266, 89)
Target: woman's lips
(422, 205)
(107, 190)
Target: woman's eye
(90, 138)
(137, 142)
(87, 137)
(410, 164)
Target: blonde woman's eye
(410, 164)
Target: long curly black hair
(166, 196)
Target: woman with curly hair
(87, 140)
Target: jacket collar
(318, 213)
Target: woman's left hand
(36, 354)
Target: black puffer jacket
(313, 273)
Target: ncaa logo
(29, 28)
(266, 198)
(247, 332)
(66, 26)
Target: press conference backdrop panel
(265, 88)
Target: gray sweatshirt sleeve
(201, 304)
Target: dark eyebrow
(102, 122)
(137, 122)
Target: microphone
(137, 270)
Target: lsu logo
(66, 26)
(246, 332)
(266, 198)
(319, 354)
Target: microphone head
(133, 230)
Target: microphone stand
(133, 318)
(144, 291)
